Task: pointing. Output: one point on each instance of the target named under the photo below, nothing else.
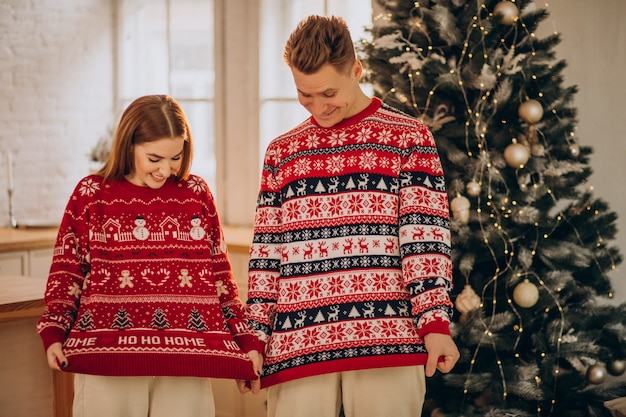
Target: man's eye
(330, 94)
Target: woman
(141, 302)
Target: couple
(349, 275)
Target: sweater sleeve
(425, 234)
(265, 254)
(228, 289)
(70, 266)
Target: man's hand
(252, 386)
(442, 353)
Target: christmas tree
(531, 244)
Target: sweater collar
(374, 105)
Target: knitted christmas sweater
(141, 284)
(350, 262)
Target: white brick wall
(56, 99)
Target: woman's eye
(176, 158)
(153, 160)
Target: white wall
(56, 99)
(57, 86)
(594, 45)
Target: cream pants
(384, 392)
(138, 396)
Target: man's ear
(357, 69)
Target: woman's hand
(56, 358)
(257, 364)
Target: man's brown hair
(317, 41)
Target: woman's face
(155, 161)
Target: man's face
(329, 95)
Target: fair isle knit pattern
(350, 263)
(141, 285)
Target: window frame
(237, 105)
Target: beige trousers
(384, 392)
(138, 396)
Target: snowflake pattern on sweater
(141, 284)
(350, 263)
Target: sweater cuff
(248, 342)
(51, 335)
(441, 327)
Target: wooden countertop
(23, 239)
(21, 297)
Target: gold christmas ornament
(526, 294)
(467, 300)
(574, 150)
(616, 367)
(516, 155)
(596, 374)
(473, 189)
(530, 111)
(537, 149)
(437, 413)
(460, 209)
(508, 11)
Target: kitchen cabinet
(33, 262)
(26, 252)
(14, 263)
(26, 379)
(39, 261)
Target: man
(350, 270)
